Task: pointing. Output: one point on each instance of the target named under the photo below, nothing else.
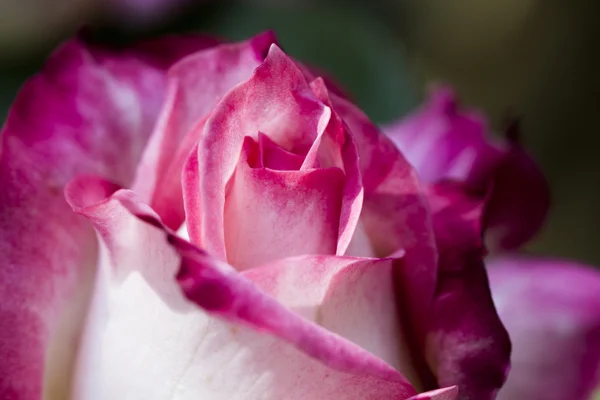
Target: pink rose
(550, 307)
(256, 237)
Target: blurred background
(532, 58)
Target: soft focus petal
(467, 345)
(144, 340)
(519, 202)
(551, 310)
(195, 85)
(443, 141)
(277, 102)
(395, 214)
(87, 111)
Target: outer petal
(86, 112)
(395, 214)
(276, 101)
(240, 344)
(353, 297)
(467, 344)
(442, 141)
(550, 308)
(195, 85)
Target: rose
(549, 306)
(283, 186)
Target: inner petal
(275, 157)
(272, 214)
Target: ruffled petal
(195, 85)
(144, 340)
(88, 111)
(550, 308)
(467, 345)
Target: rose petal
(519, 201)
(336, 147)
(240, 344)
(276, 101)
(443, 141)
(550, 308)
(274, 157)
(395, 214)
(195, 85)
(273, 214)
(86, 111)
(467, 344)
(353, 297)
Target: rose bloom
(184, 219)
(550, 307)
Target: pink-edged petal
(195, 85)
(395, 214)
(240, 301)
(86, 112)
(273, 214)
(145, 340)
(449, 393)
(443, 141)
(335, 146)
(275, 101)
(467, 345)
(550, 308)
(353, 297)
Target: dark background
(533, 58)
